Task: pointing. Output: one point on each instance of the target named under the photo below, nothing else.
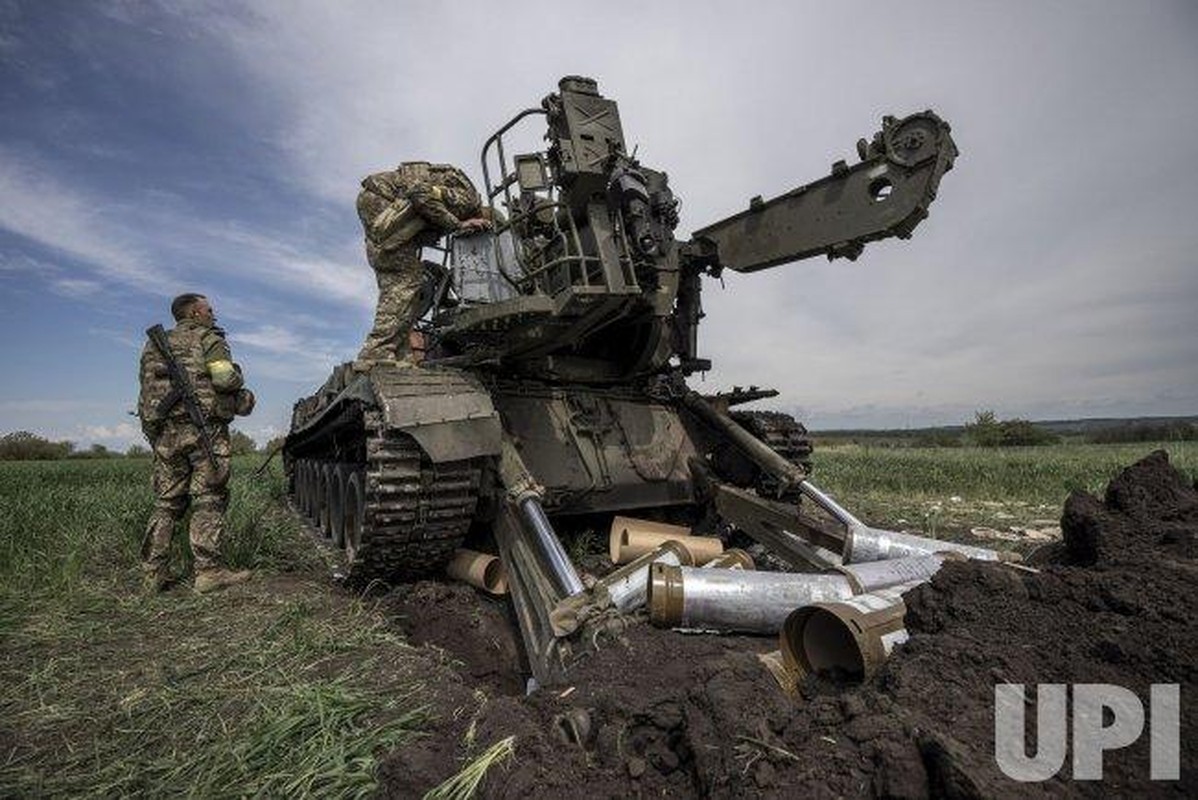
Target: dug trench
(659, 713)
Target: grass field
(948, 491)
(268, 689)
(285, 686)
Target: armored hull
(399, 466)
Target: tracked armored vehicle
(558, 348)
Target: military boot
(209, 580)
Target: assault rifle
(181, 391)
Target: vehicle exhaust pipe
(759, 602)
(852, 637)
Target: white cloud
(115, 244)
(287, 354)
(277, 261)
(123, 431)
(76, 287)
(46, 209)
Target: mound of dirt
(661, 713)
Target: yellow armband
(224, 375)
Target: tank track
(416, 512)
(786, 436)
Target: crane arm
(886, 194)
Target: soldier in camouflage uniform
(183, 471)
(401, 211)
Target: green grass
(278, 687)
(949, 490)
(70, 524)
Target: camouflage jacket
(204, 355)
(416, 201)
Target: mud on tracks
(661, 713)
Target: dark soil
(665, 714)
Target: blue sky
(151, 148)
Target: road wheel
(303, 487)
(320, 514)
(354, 505)
(332, 501)
(337, 481)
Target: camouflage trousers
(183, 474)
(400, 275)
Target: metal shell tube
(874, 575)
(628, 587)
(852, 636)
(735, 558)
(480, 570)
(863, 543)
(735, 599)
(548, 546)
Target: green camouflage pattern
(183, 475)
(401, 210)
(399, 283)
(195, 345)
(441, 194)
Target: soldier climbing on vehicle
(403, 210)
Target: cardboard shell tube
(629, 543)
(631, 537)
(852, 637)
(480, 570)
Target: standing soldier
(402, 210)
(190, 391)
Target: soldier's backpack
(399, 222)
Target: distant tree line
(987, 430)
(26, 446)
(1147, 432)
